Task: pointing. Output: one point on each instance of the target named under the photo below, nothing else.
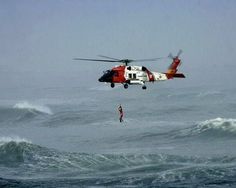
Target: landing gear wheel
(126, 86)
(112, 85)
(144, 87)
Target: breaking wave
(11, 150)
(213, 127)
(15, 139)
(22, 111)
(221, 124)
(33, 108)
(210, 129)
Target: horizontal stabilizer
(178, 75)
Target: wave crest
(15, 139)
(33, 107)
(218, 124)
(15, 150)
(12, 150)
(213, 128)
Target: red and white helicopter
(136, 75)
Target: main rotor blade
(171, 56)
(108, 57)
(153, 59)
(103, 60)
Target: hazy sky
(40, 38)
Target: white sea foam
(221, 125)
(228, 125)
(17, 139)
(33, 107)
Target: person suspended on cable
(121, 113)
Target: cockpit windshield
(107, 76)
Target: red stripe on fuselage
(150, 76)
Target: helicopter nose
(101, 80)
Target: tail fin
(171, 72)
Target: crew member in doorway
(121, 113)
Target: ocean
(71, 136)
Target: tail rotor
(177, 56)
(176, 61)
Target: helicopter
(127, 74)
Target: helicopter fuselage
(131, 75)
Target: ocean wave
(15, 139)
(22, 157)
(33, 107)
(15, 149)
(12, 150)
(209, 129)
(22, 112)
(212, 127)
